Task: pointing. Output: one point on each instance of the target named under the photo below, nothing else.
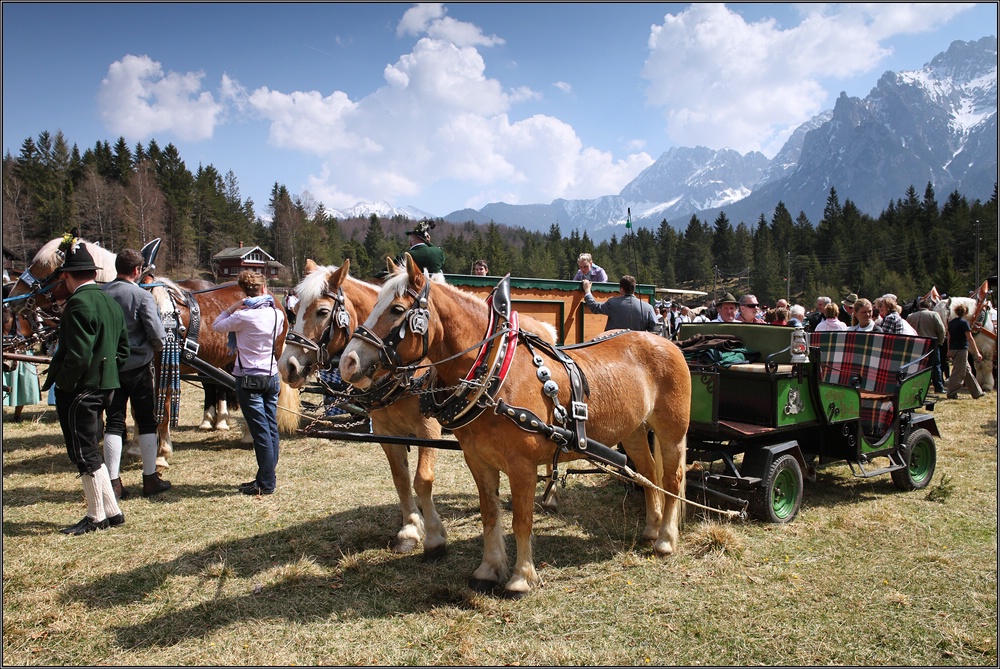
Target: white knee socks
(148, 446)
(102, 486)
(95, 501)
(113, 454)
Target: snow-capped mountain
(935, 125)
(381, 209)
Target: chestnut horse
(331, 304)
(170, 298)
(636, 382)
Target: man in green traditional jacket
(426, 255)
(93, 342)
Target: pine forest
(122, 197)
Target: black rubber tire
(921, 460)
(780, 494)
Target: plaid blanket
(871, 363)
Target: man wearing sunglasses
(749, 310)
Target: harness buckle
(191, 347)
(579, 410)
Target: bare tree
(144, 209)
(99, 204)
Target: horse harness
(478, 390)
(382, 393)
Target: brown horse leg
(674, 454)
(637, 447)
(423, 483)
(413, 522)
(522, 476)
(494, 565)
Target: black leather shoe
(86, 525)
(254, 489)
(248, 484)
(115, 521)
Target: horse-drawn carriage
(770, 405)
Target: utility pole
(977, 254)
(788, 277)
(715, 282)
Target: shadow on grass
(370, 582)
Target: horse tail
(288, 409)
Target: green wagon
(765, 416)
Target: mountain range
(935, 125)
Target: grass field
(202, 575)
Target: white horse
(986, 337)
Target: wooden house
(228, 263)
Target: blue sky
(446, 106)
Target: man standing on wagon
(426, 255)
(145, 338)
(625, 311)
(93, 342)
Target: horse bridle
(417, 317)
(339, 317)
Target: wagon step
(861, 473)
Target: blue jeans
(260, 409)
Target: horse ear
(390, 266)
(414, 272)
(310, 266)
(336, 279)
(346, 266)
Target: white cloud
(137, 100)
(727, 83)
(439, 119)
(564, 86)
(430, 18)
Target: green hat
(728, 299)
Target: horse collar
(480, 386)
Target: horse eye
(398, 309)
(323, 312)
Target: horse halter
(339, 317)
(417, 317)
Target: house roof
(240, 252)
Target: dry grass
(865, 575)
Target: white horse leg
(637, 447)
(423, 483)
(413, 523)
(208, 418)
(222, 415)
(984, 369)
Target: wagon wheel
(920, 455)
(780, 494)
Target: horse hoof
(436, 553)
(405, 546)
(514, 594)
(206, 425)
(162, 464)
(222, 427)
(481, 585)
(550, 507)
